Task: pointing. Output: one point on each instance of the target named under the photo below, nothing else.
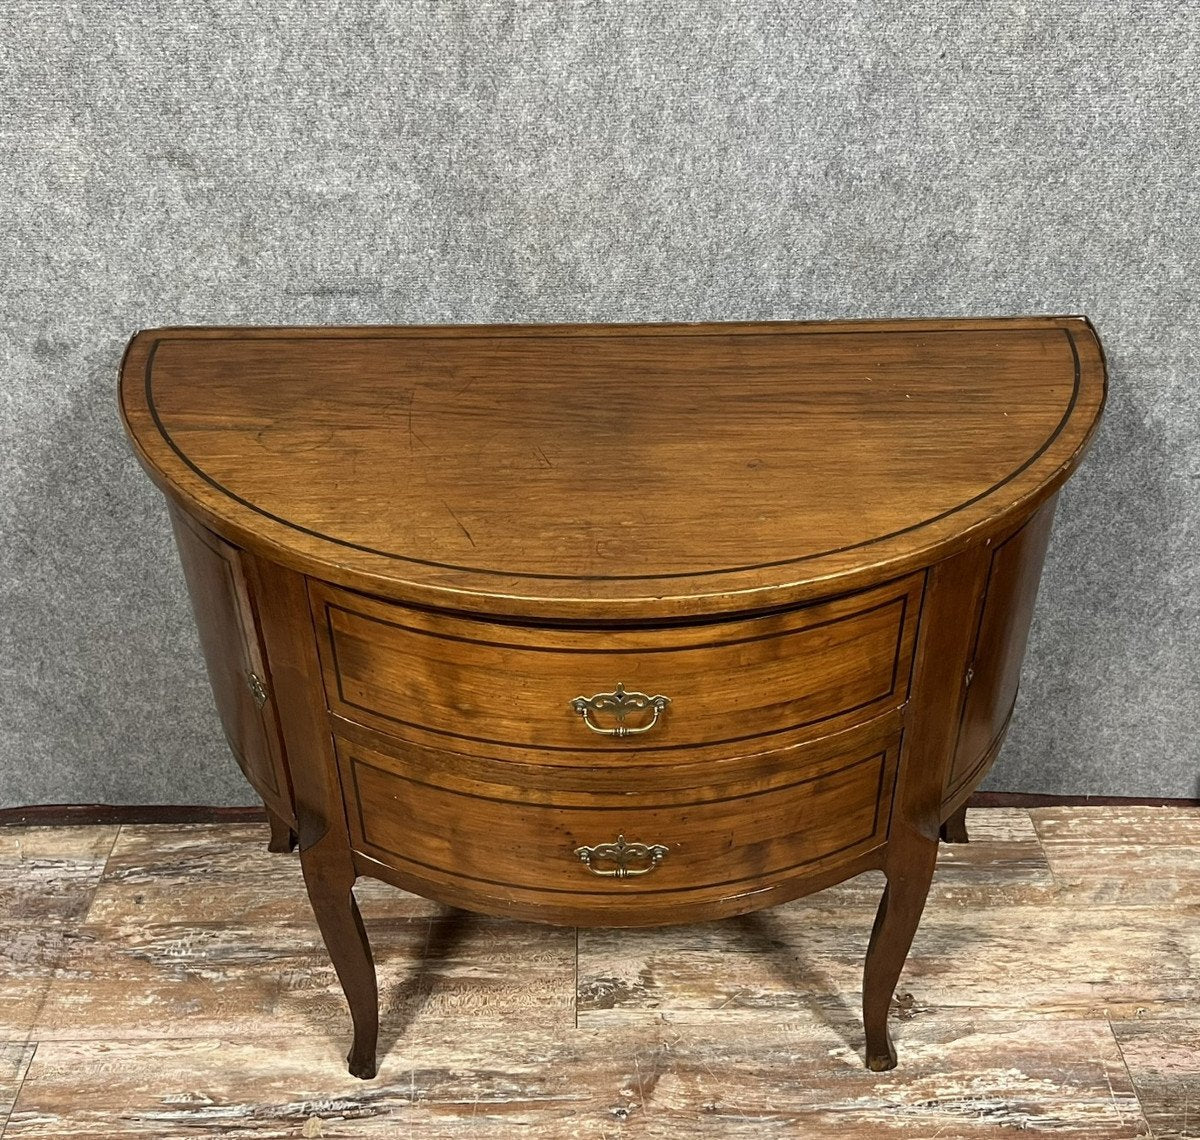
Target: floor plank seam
(20, 1087)
(1129, 1073)
(1042, 1049)
(85, 917)
(1041, 842)
(70, 927)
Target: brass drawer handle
(622, 854)
(619, 704)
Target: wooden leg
(329, 878)
(954, 830)
(909, 871)
(283, 838)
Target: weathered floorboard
(47, 878)
(49, 873)
(1049, 963)
(1003, 862)
(197, 927)
(222, 977)
(747, 1027)
(1128, 856)
(959, 1080)
(217, 873)
(14, 1061)
(1163, 1058)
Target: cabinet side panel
(232, 652)
(995, 669)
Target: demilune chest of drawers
(614, 625)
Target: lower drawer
(477, 829)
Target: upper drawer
(482, 686)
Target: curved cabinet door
(236, 664)
(995, 666)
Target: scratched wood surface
(182, 990)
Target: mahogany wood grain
(325, 856)
(606, 471)
(820, 541)
(722, 841)
(953, 590)
(995, 665)
(692, 776)
(734, 686)
(232, 646)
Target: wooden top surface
(613, 471)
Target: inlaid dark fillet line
(533, 575)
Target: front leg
(329, 877)
(909, 870)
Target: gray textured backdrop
(451, 162)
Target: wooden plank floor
(169, 981)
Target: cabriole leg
(283, 838)
(954, 830)
(909, 871)
(329, 879)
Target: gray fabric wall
(451, 162)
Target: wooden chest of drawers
(614, 625)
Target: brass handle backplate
(619, 705)
(621, 855)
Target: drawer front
(476, 687)
(464, 825)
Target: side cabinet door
(233, 653)
(1000, 642)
